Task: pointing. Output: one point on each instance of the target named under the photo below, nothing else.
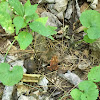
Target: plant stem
(77, 42)
(9, 49)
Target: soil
(50, 58)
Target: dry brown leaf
(84, 7)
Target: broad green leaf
(17, 7)
(91, 20)
(32, 17)
(2, 0)
(18, 22)
(90, 91)
(94, 74)
(93, 32)
(24, 39)
(41, 29)
(87, 91)
(76, 94)
(43, 20)
(27, 4)
(10, 76)
(5, 19)
(51, 29)
(24, 24)
(30, 10)
(88, 40)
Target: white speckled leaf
(17, 6)
(5, 19)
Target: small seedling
(14, 16)
(88, 89)
(90, 19)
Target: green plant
(90, 19)
(88, 89)
(13, 17)
(14, 14)
(10, 76)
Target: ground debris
(71, 77)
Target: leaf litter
(70, 56)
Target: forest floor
(52, 58)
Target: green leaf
(76, 94)
(18, 22)
(51, 29)
(91, 20)
(90, 91)
(17, 7)
(24, 39)
(5, 19)
(32, 17)
(27, 4)
(87, 91)
(94, 32)
(30, 10)
(43, 20)
(41, 29)
(24, 24)
(2, 0)
(88, 40)
(10, 77)
(94, 74)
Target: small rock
(7, 94)
(71, 77)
